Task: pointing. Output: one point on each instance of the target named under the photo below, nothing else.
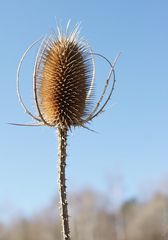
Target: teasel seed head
(63, 81)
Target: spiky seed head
(64, 78)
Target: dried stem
(62, 144)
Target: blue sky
(130, 148)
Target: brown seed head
(64, 78)
(63, 81)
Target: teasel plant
(63, 86)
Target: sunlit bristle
(63, 77)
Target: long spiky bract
(63, 84)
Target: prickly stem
(62, 144)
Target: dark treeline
(93, 217)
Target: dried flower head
(63, 74)
(63, 81)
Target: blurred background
(118, 176)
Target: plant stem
(62, 144)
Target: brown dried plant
(63, 82)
